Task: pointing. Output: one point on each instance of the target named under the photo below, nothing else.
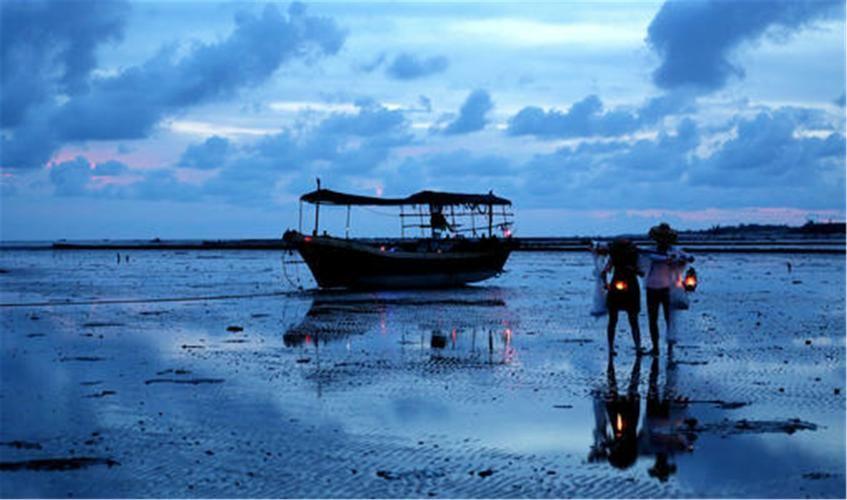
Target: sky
(195, 119)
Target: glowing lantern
(620, 285)
(690, 281)
(382, 248)
(507, 233)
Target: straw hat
(663, 234)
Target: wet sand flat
(207, 374)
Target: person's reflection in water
(616, 420)
(438, 340)
(661, 435)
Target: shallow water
(130, 384)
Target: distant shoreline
(699, 243)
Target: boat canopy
(329, 197)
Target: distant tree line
(810, 227)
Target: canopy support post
(347, 227)
(490, 220)
(317, 217)
(317, 211)
(402, 223)
(300, 218)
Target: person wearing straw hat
(659, 277)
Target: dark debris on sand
(745, 426)
(101, 394)
(191, 381)
(57, 464)
(815, 476)
(21, 445)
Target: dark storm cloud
(695, 40)
(587, 118)
(472, 114)
(130, 104)
(409, 66)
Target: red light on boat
(307, 239)
(620, 285)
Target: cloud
(768, 162)
(371, 119)
(788, 157)
(209, 154)
(588, 118)
(407, 66)
(77, 177)
(130, 104)
(472, 115)
(343, 146)
(372, 65)
(766, 151)
(426, 103)
(607, 174)
(49, 49)
(463, 163)
(695, 40)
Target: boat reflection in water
(466, 331)
(663, 431)
(473, 345)
(333, 320)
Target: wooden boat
(444, 257)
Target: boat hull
(341, 263)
